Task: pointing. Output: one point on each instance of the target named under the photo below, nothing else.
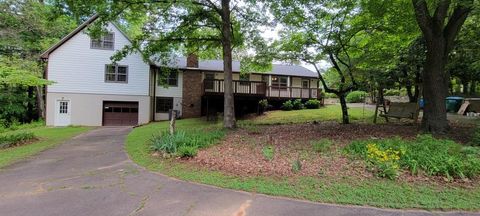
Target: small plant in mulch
(268, 152)
(184, 143)
(322, 145)
(296, 166)
(17, 139)
(425, 154)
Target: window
(104, 42)
(63, 108)
(164, 104)
(209, 82)
(209, 76)
(305, 83)
(244, 79)
(116, 73)
(279, 81)
(170, 80)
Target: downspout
(154, 100)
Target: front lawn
(326, 113)
(303, 160)
(48, 137)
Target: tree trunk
(435, 89)
(229, 108)
(39, 91)
(343, 104)
(473, 88)
(465, 87)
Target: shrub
(356, 96)
(296, 166)
(312, 104)
(287, 105)
(185, 144)
(268, 152)
(437, 157)
(263, 103)
(392, 92)
(187, 151)
(330, 95)
(322, 145)
(297, 104)
(385, 160)
(17, 125)
(10, 140)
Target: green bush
(392, 92)
(10, 140)
(287, 105)
(297, 104)
(185, 143)
(312, 104)
(187, 151)
(268, 152)
(330, 95)
(17, 125)
(436, 157)
(322, 145)
(263, 103)
(356, 96)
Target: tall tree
(27, 28)
(315, 31)
(440, 23)
(171, 26)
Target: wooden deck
(259, 89)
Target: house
(89, 90)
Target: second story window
(170, 80)
(104, 42)
(116, 73)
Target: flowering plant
(385, 161)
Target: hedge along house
(89, 90)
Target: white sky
(272, 34)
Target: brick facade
(192, 94)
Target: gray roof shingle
(217, 65)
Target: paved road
(91, 175)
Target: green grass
(372, 192)
(326, 113)
(48, 137)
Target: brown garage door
(120, 113)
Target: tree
(409, 68)
(200, 26)
(439, 27)
(315, 31)
(464, 59)
(27, 28)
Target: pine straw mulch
(240, 153)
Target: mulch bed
(240, 153)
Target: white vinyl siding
(76, 68)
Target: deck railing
(258, 88)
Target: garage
(116, 113)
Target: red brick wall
(192, 94)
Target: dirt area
(240, 153)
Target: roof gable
(81, 27)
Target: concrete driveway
(91, 175)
